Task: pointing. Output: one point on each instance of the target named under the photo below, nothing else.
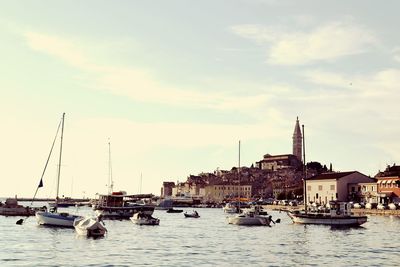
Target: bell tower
(297, 141)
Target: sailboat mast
(110, 180)
(59, 161)
(304, 170)
(240, 189)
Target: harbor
(205, 241)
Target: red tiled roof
(331, 175)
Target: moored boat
(12, 208)
(144, 219)
(194, 214)
(250, 217)
(89, 226)
(54, 218)
(117, 205)
(339, 215)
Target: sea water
(205, 241)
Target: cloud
(137, 84)
(327, 42)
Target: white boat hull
(147, 220)
(55, 219)
(328, 220)
(90, 227)
(247, 220)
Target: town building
(219, 192)
(340, 186)
(388, 183)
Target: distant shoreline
(47, 199)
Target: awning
(384, 182)
(378, 182)
(390, 181)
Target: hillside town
(280, 177)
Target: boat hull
(328, 220)
(146, 220)
(247, 220)
(18, 211)
(56, 219)
(89, 227)
(122, 212)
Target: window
(309, 188)
(332, 187)
(320, 188)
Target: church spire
(297, 141)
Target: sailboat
(53, 217)
(118, 205)
(248, 217)
(340, 211)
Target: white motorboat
(339, 215)
(250, 218)
(230, 208)
(54, 218)
(61, 219)
(144, 219)
(90, 226)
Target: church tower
(297, 141)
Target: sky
(174, 85)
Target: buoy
(20, 221)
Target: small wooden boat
(172, 210)
(192, 215)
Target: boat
(194, 214)
(53, 217)
(172, 210)
(339, 215)
(144, 219)
(340, 211)
(119, 205)
(90, 226)
(230, 208)
(250, 217)
(258, 209)
(11, 208)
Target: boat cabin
(339, 208)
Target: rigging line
(47, 162)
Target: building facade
(220, 192)
(388, 183)
(325, 187)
